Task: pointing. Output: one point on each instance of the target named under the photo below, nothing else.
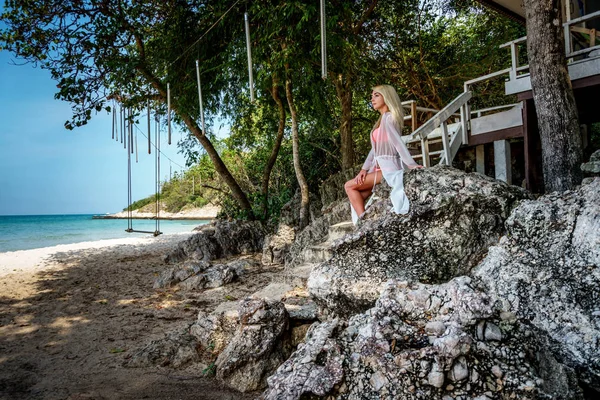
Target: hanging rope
(204, 34)
(169, 111)
(149, 142)
(136, 149)
(114, 117)
(200, 97)
(249, 51)
(323, 43)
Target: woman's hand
(416, 166)
(360, 178)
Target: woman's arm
(394, 138)
(369, 161)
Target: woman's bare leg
(358, 193)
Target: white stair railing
(451, 141)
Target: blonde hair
(392, 101)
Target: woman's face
(377, 100)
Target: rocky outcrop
(248, 340)
(220, 239)
(276, 246)
(317, 231)
(175, 349)
(203, 275)
(332, 189)
(454, 218)
(257, 348)
(547, 271)
(423, 342)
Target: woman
(387, 158)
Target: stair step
(297, 276)
(340, 230)
(317, 253)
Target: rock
(492, 332)
(459, 370)
(201, 275)
(314, 368)
(592, 167)
(218, 240)
(332, 189)
(436, 378)
(257, 348)
(214, 331)
(385, 352)
(547, 271)
(277, 245)
(457, 215)
(176, 349)
(316, 232)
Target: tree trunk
(220, 167)
(553, 96)
(344, 94)
(275, 151)
(305, 198)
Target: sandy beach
(70, 315)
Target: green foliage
(129, 50)
(142, 203)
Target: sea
(24, 232)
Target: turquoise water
(23, 232)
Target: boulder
(201, 275)
(454, 218)
(176, 349)
(245, 340)
(257, 348)
(424, 342)
(547, 270)
(219, 239)
(332, 188)
(592, 167)
(276, 246)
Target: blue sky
(47, 169)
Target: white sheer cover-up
(390, 154)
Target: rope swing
(129, 139)
(200, 97)
(323, 43)
(247, 24)
(157, 176)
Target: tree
(562, 150)
(99, 50)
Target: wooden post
(480, 159)
(413, 114)
(425, 152)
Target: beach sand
(70, 315)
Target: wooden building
(457, 126)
